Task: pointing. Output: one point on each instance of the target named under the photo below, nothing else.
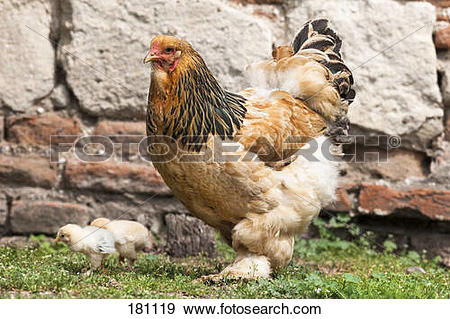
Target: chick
(130, 237)
(96, 243)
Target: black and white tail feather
(317, 39)
(316, 35)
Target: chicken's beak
(149, 58)
(57, 239)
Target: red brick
(442, 38)
(115, 177)
(27, 170)
(36, 130)
(45, 216)
(127, 134)
(440, 3)
(108, 128)
(437, 3)
(382, 200)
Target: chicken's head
(165, 52)
(65, 233)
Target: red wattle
(174, 65)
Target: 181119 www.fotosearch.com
(170, 308)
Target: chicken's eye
(169, 50)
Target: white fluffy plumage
(95, 242)
(130, 237)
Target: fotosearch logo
(99, 148)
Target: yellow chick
(96, 243)
(130, 237)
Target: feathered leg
(261, 246)
(260, 235)
(247, 265)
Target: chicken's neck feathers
(194, 106)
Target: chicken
(95, 242)
(130, 237)
(234, 160)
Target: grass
(321, 268)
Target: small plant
(389, 245)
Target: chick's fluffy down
(130, 236)
(95, 242)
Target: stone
(444, 74)
(27, 170)
(105, 43)
(114, 177)
(444, 71)
(17, 242)
(60, 97)
(37, 130)
(3, 214)
(447, 125)
(188, 236)
(414, 165)
(442, 38)
(20, 242)
(27, 57)
(382, 200)
(2, 127)
(440, 167)
(45, 217)
(395, 95)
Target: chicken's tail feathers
(317, 40)
(316, 34)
